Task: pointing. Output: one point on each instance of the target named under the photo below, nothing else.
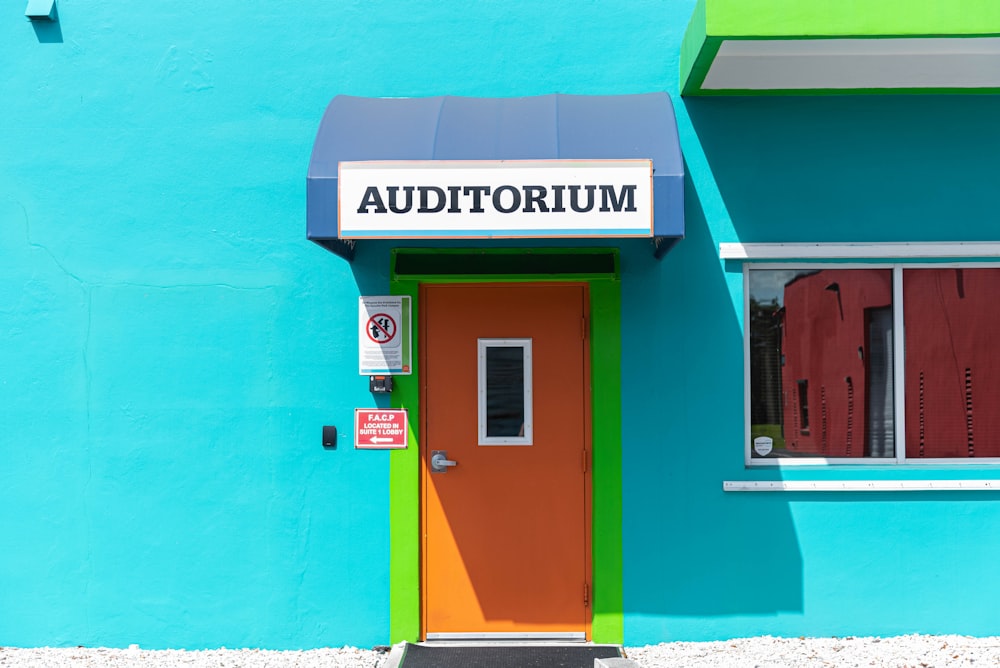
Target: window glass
(821, 363)
(505, 392)
(952, 326)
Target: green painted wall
(714, 21)
(862, 18)
(606, 478)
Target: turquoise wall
(701, 563)
(170, 344)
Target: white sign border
(524, 230)
(375, 446)
(404, 332)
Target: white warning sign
(384, 335)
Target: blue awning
(547, 127)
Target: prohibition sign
(381, 328)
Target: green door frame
(606, 475)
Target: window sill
(858, 485)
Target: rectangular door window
(505, 392)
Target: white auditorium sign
(495, 199)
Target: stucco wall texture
(171, 344)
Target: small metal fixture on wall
(380, 384)
(41, 10)
(330, 437)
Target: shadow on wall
(370, 267)
(48, 32)
(854, 168)
(689, 548)
(791, 169)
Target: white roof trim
(805, 251)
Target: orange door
(506, 529)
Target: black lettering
(574, 199)
(557, 205)
(392, 198)
(371, 198)
(454, 191)
(608, 195)
(516, 199)
(535, 195)
(424, 191)
(477, 192)
(506, 199)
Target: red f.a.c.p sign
(378, 429)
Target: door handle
(440, 462)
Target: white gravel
(101, 657)
(912, 651)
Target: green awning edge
(715, 21)
(851, 18)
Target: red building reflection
(837, 375)
(837, 372)
(952, 324)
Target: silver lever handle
(440, 462)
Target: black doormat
(501, 656)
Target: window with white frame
(505, 393)
(874, 363)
